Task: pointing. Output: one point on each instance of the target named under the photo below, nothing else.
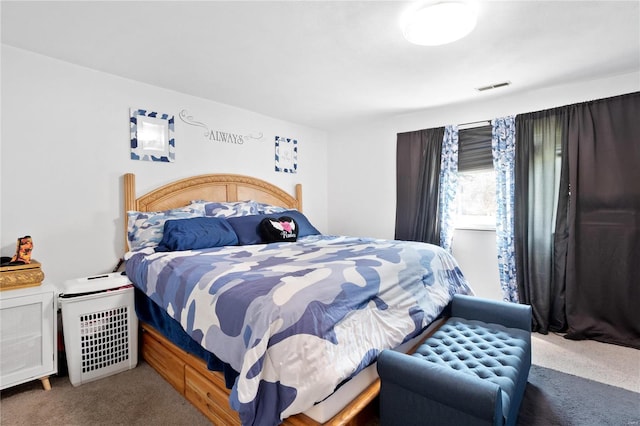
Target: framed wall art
(286, 155)
(152, 136)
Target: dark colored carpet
(555, 398)
(141, 397)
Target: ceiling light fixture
(434, 23)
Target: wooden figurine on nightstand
(23, 250)
(28, 326)
(20, 270)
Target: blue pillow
(197, 233)
(304, 226)
(247, 229)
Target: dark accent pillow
(279, 229)
(196, 233)
(246, 228)
(304, 226)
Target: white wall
(65, 147)
(477, 253)
(362, 181)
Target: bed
(259, 330)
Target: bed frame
(188, 374)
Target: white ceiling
(328, 63)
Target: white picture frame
(152, 136)
(286, 155)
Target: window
(476, 197)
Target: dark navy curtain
(541, 198)
(577, 225)
(418, 158)
(603, 256)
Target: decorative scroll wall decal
(217, 135)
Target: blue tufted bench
(472, 371)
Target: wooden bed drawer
(207, 396)
(163, 361)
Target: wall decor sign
(152, 136)
(286, 155)
(217, 135)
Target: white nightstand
(28, 335)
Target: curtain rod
(474, 124)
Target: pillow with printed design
(305, 228)
(248, 228)
(145, 229)
(264, 208)
(279, 229)
(227, 208)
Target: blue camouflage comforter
(297, 319)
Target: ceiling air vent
(493, 86)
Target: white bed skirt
(325, 410)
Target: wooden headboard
(209, 187)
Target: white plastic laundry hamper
(100, 327)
